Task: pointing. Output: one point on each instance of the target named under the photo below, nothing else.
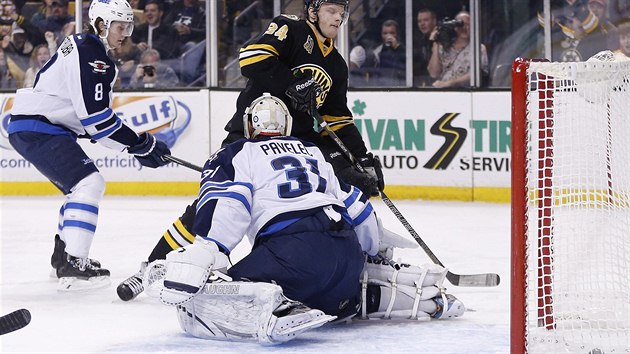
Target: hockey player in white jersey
(72, 97)
(310, 233)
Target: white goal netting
(578, 217)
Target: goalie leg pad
(247, 311)
(410, 292)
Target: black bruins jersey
(269, 61)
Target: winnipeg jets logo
(99, 66)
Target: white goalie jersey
(258, 187)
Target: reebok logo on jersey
(99, 66)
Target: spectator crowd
(168, 45)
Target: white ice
(467, 237)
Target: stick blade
(14, 321)
(474, 280)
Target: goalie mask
(110, 11)
(267, 116)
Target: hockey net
(571, 206)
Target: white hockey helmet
(109, 11)
(267, 116)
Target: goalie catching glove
(188, 269)
(149, 151)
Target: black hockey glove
(149, 151)
(369, 182)
(303, 93)
(373, 167)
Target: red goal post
(570, 251)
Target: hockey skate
(455, 307)
(131, 287)
(77, 274)
(59, 257)
(294, 318)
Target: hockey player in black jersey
(304, 46)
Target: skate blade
(73, 284)
(285, 334)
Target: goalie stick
(472, 280)
(14, 321)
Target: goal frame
(518, 308)
(570, 166)
(518, 320)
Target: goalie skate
(78, 274)
(247, 311)
(406, 292)
(454, 309)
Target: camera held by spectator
(446, 33)
(148, 70)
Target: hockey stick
(472, 280)
(14, 321)
(183, 163)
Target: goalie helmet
(318, 3)
(109, 11)
(267, 116)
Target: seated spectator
(54, 17)
(155, 34)
(138, 13)
(126, 58)
(584, 31)
(6, 78)
(18, 49)
(450, 59)
(39, 57)
(189, 20)
(422, 47)
(358, 73)
(624, 37)
(152, 73)
(9, 18)
(389, 57)
(605, 35)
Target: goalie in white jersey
(72, 97)
(310, 233)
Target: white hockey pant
(244, 311)
(405, 293)
(79, 215)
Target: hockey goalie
(319, 254)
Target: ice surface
(466, 237)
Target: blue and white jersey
(258, 187)
(73, 92)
